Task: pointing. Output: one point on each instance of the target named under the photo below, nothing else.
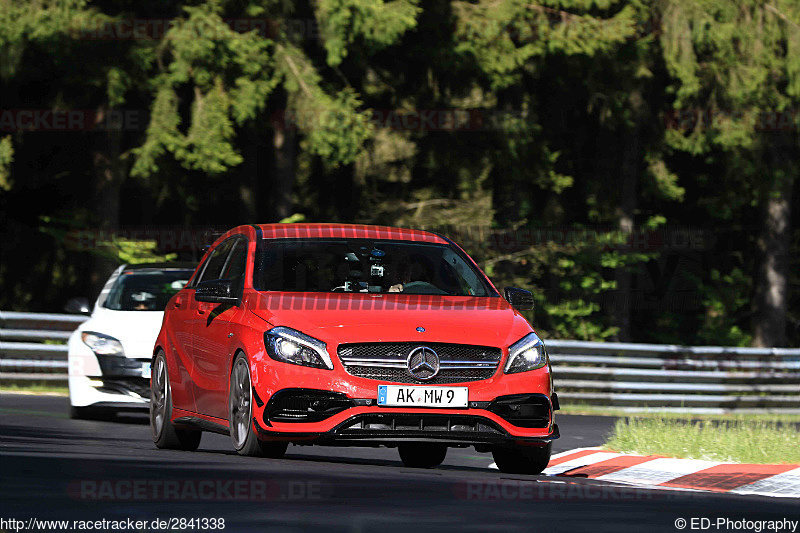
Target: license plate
(398, 395)
(145, 370)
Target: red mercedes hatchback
(337, 334)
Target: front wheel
(523, 460)
(240, 415)
(165, 434)
(420, 455)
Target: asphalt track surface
(54, 468)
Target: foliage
(6, 158)
(723, 299)
(133, 252)
(379, 24)
(535, 123)
(230, 76)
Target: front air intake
(305, 405)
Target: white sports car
(110, 353)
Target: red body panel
(200, 340)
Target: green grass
(736, 439)
(597, 410)
(38, 387)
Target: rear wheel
(240, 415)
(165, 434)
(422, 455)
(523, 460)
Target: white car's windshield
(362, 265)
(145, 290)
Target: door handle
(178, 302)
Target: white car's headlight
(102, 344)
(291, 346)
(528, 353)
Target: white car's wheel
(88, 413)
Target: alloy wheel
(240, 403)
(158, 397)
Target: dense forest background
(632, 162)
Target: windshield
(145, 290)
(360, 265)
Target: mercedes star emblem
(423, 363)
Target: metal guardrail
(626, 376)
(686, 378)
(32, 346)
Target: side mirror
(520, 299)
(80, 306)
(216, 291)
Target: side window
(200, 271)
(217, 260)
(234, 269)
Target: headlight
(526, 354)
(290, 346)
(102, 344)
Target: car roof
(346, 231)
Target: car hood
(340, 318)
(136, 330)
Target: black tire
(273, 450)
(88, 413)
(165, 434)
(240, 415)
(523, 460)
(422, 455)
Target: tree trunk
(249, 176)
(626, 207)
(109, 175)
(507, 186)
(284, 149)
(343, 193)
(772, 279)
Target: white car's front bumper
(87, 392)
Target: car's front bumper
(125, 393)
(106, 381)
(356, 398)
(324, 417)
(386, 428)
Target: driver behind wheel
(143, 301)
(407, 274)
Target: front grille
(388, 361)
(137, 385)
(304, 405)
(428, 424)
(119, 366)
(523, 410)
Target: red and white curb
(687, 474)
